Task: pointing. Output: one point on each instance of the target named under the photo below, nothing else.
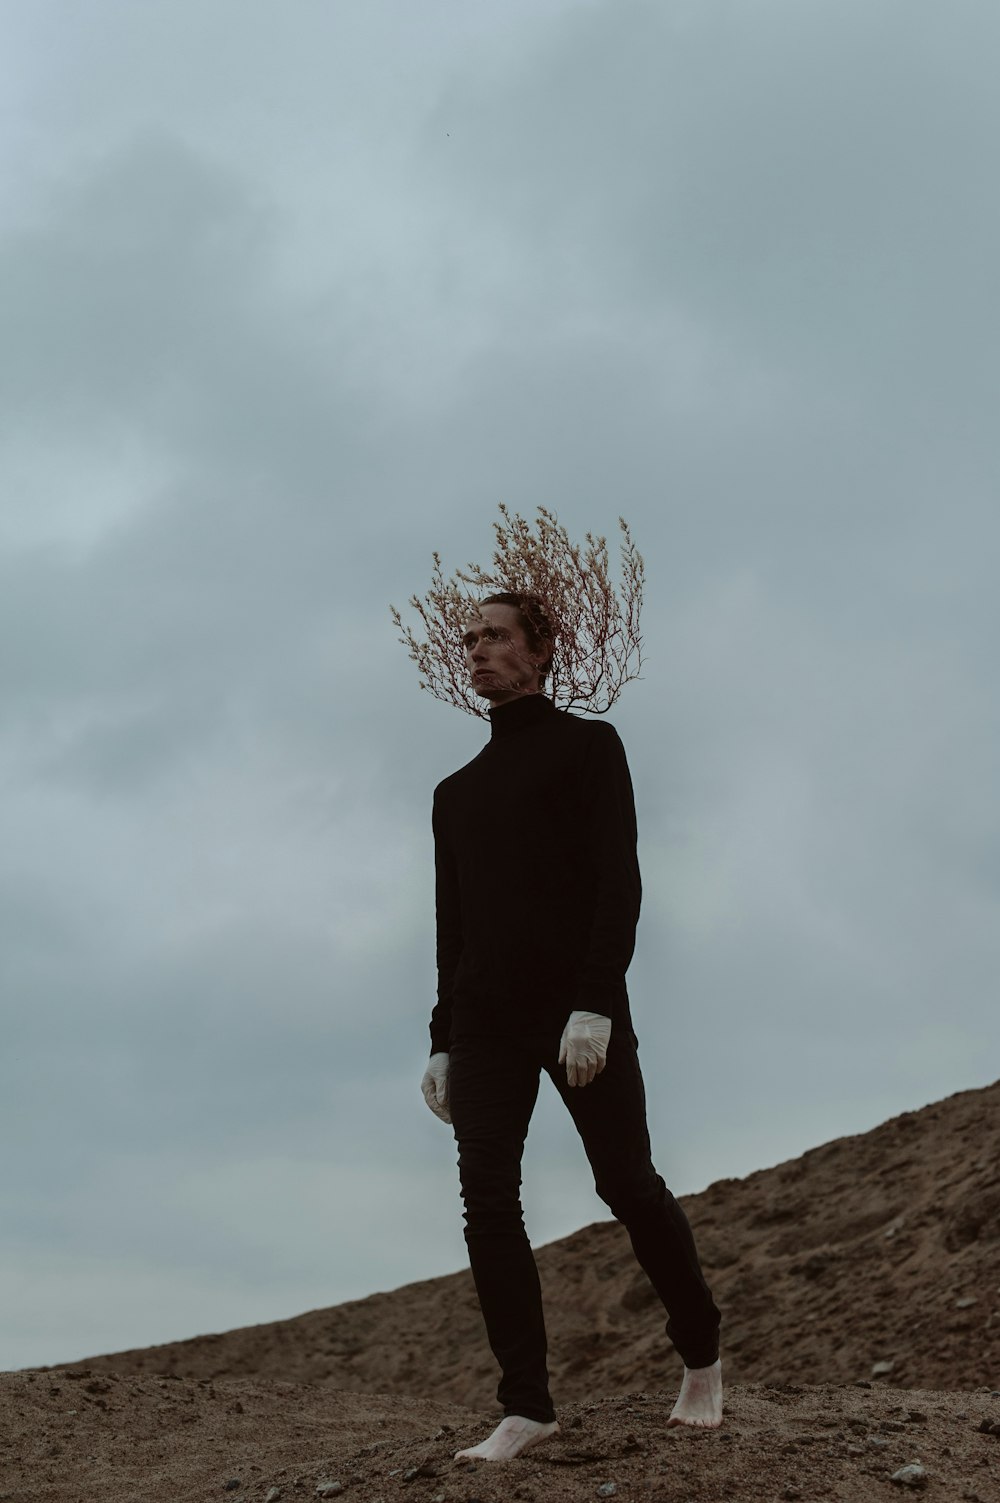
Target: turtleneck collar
(516, 714)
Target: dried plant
(571, 607)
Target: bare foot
(513, 1435)
(699, 1402)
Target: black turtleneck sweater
(537, 876)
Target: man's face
(497, 656)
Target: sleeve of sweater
(608, 811)
(449, 931)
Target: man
(537, 900)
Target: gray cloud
(284, 310)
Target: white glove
(584, 1046)
(435, 1085)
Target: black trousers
(492, 1089)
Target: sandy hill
(882, 1248)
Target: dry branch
(594, 635)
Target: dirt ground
(869, 1261)
(80, 1437)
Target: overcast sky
(292, 296)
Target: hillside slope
(883, 1247)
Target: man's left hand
(584, 1046)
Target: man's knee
(631, 1197)
(489, 1216)
(491, 1186)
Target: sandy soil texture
(107, 1439)
(860, 1291)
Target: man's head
(508, 647)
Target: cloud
(280, 318)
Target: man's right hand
(435, 1085)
